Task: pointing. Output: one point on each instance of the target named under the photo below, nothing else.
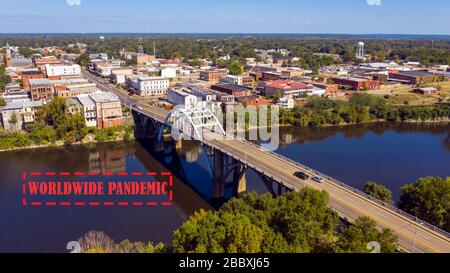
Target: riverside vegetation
(360, 108)
(296, 222)
(54, 126)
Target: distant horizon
(226, 33)
(350, 17)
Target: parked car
(318, 179)
(302, 175)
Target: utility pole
(154, 49)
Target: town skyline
(294, 17)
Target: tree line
(296, 222)
(426, 51)
(428, 198)
(360, 108)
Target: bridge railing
(350, 188)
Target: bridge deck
(347, 203)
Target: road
(413, 236)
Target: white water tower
(360, 50)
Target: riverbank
(319, 112)
(26, 141)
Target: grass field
(403, 95)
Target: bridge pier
(239, 180)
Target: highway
(413, 235)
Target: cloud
(374, 2)
(73, 2)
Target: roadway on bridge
(413, 237)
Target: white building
(169, 73)
(149, 86)
(181, 97)
(53, 70)
(16, 114)
(286, 102)
(118, 75)
(89, 110)
(231, 79)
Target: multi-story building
(246, 81)
(232, 89)
(212, 75)
(168, 72)
(73, 106)
(293, 72)
(72, 91)
(141, 59)
(414, 77)
(256, 101)
(357, 84)
(89, 110)
(27, 75)
(118, 75)
(149, 86)
(288, 88)
(55, 72)
(180, 96)
(286, 102)
(16, 114)
(41, 62)
(12, 87)
(329, 88)
(109, 109)
(100, 56)
(41, 89)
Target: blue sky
(230, 16)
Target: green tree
(277, 97)
(429, 199)
(209, 232)
(2, 102)
(83, 59)
(14, 120)
(356, 237)
(235, 68)
(139, 247)
(379, 192)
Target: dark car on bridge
(302, 175)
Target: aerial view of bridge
(230, 157)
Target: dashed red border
(96, 203)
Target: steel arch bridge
(192, 122)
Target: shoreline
(90, 140)
(62, 144)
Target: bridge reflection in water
(210, 172)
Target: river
(389, 154)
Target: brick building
(256, 101)
(231, 89)
(41, 89)
(27, 75)
(414, 77)
(212, 75)
(357, 84)
(109, 110)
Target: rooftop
(104, 97)
(43, 81)
(287, 85)
(85, 100)
(22, 104)
(232, 87)
(416, 73)
(32, 72)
